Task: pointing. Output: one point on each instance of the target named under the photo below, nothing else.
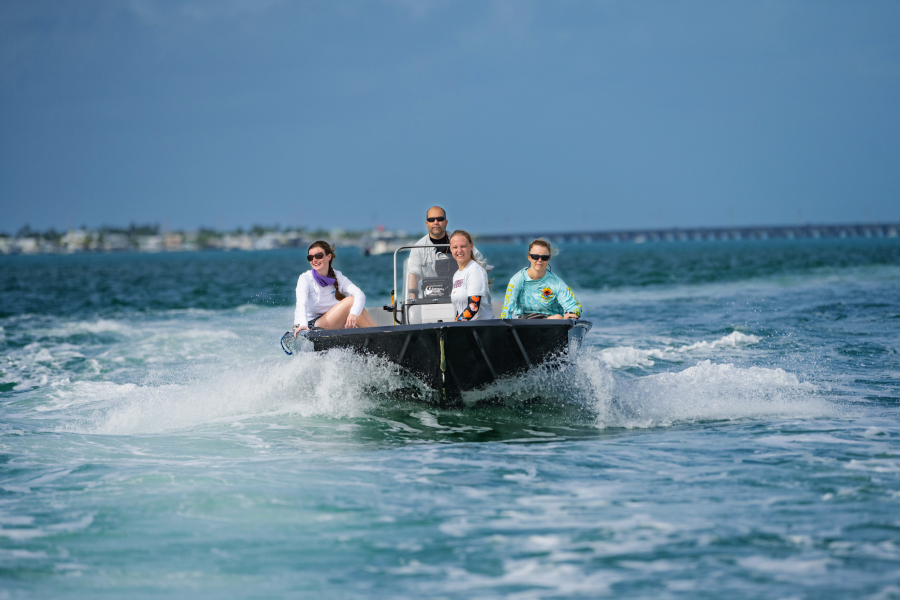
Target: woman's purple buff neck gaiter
(322, 280)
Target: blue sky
(516, 115)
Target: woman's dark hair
(329, 249)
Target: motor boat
(418, 332)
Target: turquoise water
(730, 431)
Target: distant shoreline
(734, 233)
(151, 239)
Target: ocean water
(729, 431)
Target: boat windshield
(427, 274)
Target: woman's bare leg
(336, 317)
(365, 319)
(555, 317)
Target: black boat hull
(459, 356)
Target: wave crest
(340, 384)
(335, 384)
(627, 356)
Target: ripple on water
(724, 433)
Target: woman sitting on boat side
(471, 294)
(536, 293)
(325, 298)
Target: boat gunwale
(511, 323)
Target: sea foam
(175, 374)
(627, 356)
(342, 385)
(336, 384)
(710, 391)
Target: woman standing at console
(471, 294)
(536, 293)
(325, 298)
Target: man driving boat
(421, 260)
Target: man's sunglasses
(433, 219)
(317, 256)
(544, 257)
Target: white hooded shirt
(313, 300)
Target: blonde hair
(465, 234)
(329, 249)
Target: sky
(515, 115)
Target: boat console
(424, 299)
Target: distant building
(75, 240)
(116, 242)
(292, 239)
(190, 241)
(27, 245)
(267, 241)
(240, 241)
(173, 241)
(150, 243)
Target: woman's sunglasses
(544, 257)
(317, 256)
(433, 219)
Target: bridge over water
(789, 232)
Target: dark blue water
(730, 431)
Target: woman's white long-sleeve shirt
(313, 300)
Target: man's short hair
(432, 208)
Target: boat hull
(459, 356)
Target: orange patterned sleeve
(471, 310)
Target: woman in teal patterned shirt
(536, 293)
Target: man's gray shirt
(421, 260)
